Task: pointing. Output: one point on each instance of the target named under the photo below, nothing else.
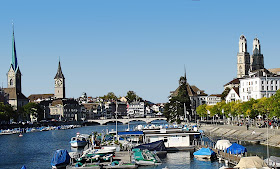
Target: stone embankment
(241, 134)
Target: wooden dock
(231, 158)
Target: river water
(35, 150)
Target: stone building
(245, 62)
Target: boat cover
(60, 157)
(131, 133)
(157, 145)
(236, 149)
(23, 167)
(273, 161)
(204, 151)
(250, 162)
(222, 144)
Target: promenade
(240, 134)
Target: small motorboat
(204, 153)
(20, 135)
(80, 140)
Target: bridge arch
(112, 121)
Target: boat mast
(116, 120)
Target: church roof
(14, 94)
(192, 91)
(34, 97)
(59, 73)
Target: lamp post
(223, 116)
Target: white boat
(80, 140)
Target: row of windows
(263, 81)
(263, 88)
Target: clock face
(59, 82)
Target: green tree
(201, 110)
(225, 93)
(110, 96)
(33, 109)
(174, 110)
(131, 96)
(7, 112)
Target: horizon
(117, 46)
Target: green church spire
(14, 53)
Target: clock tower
(59, 84)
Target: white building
(233, 95)
(213, 99)
(258, 85)
(136, 109)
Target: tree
(7, 112)
(33, 109)
(174, 110)
(225, 93)
(110, 96)
(131, 96)
(201, 110)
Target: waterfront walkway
(240, 133)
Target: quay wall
(241, 134)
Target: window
(276, 88)
(262, 81)
(271, 81)
(262, 87)
(256, 82)
(11, 82)
(267, 88)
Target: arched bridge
(125, 121)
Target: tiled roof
(192, 91)
(236, 89)
(39, 96)
(14, 94)
(234, 81)
(217, 95)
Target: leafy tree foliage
(131, 96)
(33, 109)
(110, 96)
(252, 108)
(174, 109)
(7, 112)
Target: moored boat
(80, 140)
(204, 153)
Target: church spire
(59, 73)
(14, 53)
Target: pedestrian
(247, 126)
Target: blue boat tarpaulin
(236, 149)
(204, 151)
(157, 145)
(60, 157)
(131, 133)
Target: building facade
(259, 84)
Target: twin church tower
(245, 62)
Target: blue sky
(121, 45)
